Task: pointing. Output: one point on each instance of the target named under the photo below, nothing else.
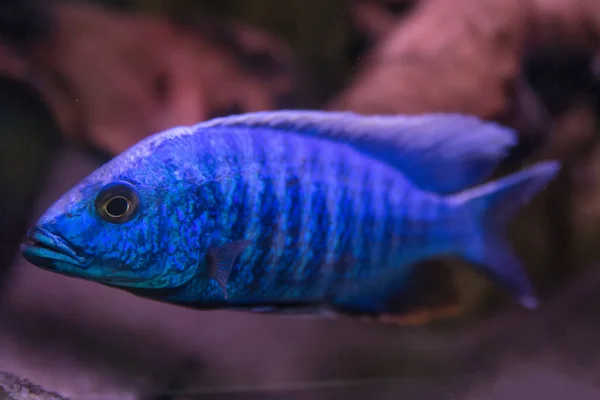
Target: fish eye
(117, 202)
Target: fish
(294, 212)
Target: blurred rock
(15, 388)
(464, 67)
(377, 18)
(574, 23)
(11, 64)
(472, 65)
(319, 35)
(113, 78)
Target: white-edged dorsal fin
(439, 152)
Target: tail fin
(492, 205)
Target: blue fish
(293, 211)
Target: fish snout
(41, 246)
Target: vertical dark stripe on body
(267, 212)
(239, 207)
(279, 171)
(334, 179)
(350, 214)
(304, 159)
(280, 280)
(420, 208)
(403, 216)
(344, 262)
(255, 195)
(292, 211)
(367, 224)
(380, 215)
(319, 226)
(401, 198)
(410, 227)
(268, 215)
(388, 224)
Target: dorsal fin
(439, 152)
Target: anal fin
(417, 317)
(424, 296)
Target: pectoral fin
(220, 261)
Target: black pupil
(117, 206)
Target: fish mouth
(41, 246)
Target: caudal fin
(493, 205)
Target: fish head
(127, 224)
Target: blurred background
(80, 81)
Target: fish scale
(362, 224)
(310, 235)
(345, 251)
(388, 229)
(333, 235)
(269, 212)
(272, 215)
(262, 205)
(304, 174)
(291, 220)
(255, 196)
(292, 214)
(336, 234)
(306, 267)
(380, 216)
(277, 150)
(275, 217)
(416, 219)
(318, 237)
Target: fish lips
(43, 248)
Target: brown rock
(114, 78)
(448, 56)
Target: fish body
(292, 211)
